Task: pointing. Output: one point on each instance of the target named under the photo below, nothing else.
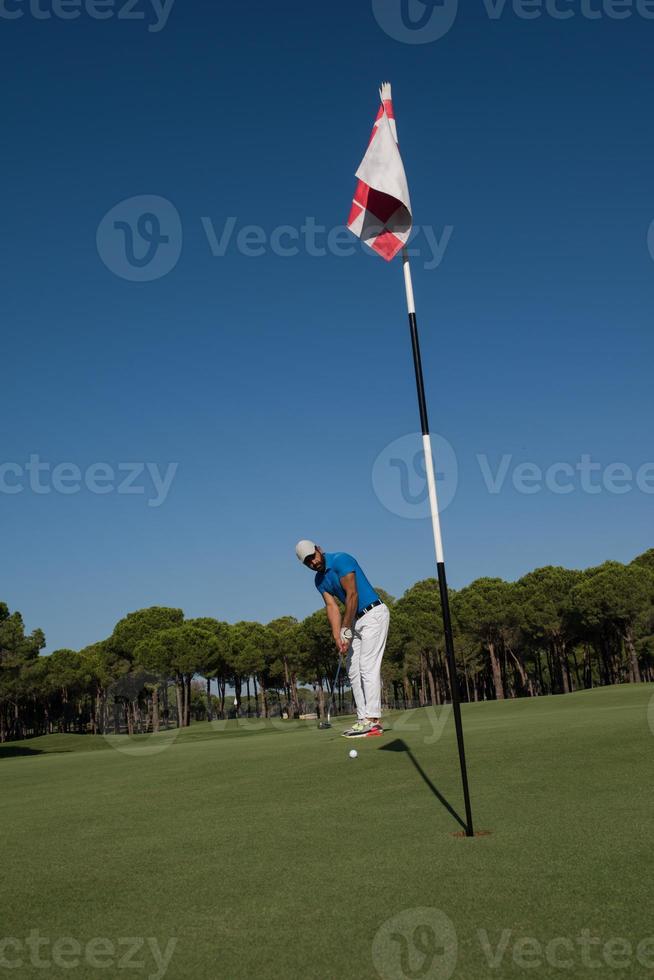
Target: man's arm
(334, 617)
(349, 583)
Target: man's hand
(342, 643)
(334, 615)
(344, 639)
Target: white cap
(304, 548)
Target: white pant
(364, 661)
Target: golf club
(328, 723)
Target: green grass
(266, 852)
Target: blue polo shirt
(338, 564)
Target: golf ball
(353, 753)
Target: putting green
(265, 851)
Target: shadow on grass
(399, 745)
(9, 751)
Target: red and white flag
(381, 209)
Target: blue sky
(271, 383)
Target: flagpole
(438, 541)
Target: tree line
(553, 631)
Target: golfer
(360, 633)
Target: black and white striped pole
(438, 541)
